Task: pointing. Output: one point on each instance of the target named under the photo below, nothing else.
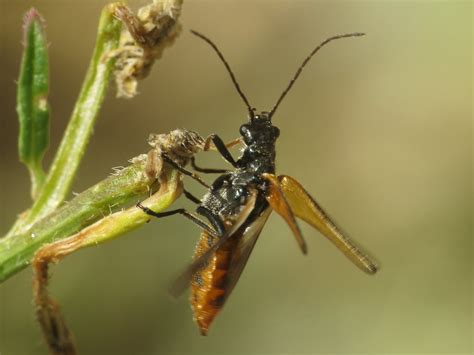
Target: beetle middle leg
(203, 225)
(217, 229)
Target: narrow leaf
(32, 99)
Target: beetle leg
(236, 141)
(206, 170)
(182, 212)
(221, 148)
(184, 171)
(215, 220)
(191, 197)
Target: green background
(378, 129)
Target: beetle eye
(244, 130)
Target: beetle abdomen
(209, 285)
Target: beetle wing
(306, 208)
(244, 248)
(182, 281)
(278, 202)
(213, 283)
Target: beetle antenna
(300, 69)
(232, 76)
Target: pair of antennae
(297, 74)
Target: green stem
(37, 178)
(66, 162)
(128, 185)
(118, 223)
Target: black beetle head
(259, 128)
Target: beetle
(239, 202)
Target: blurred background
(378, 129)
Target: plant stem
(68, 157)
(57, 334)
(128, 185)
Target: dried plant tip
(143, 41)
(48, 312)
(31, 16)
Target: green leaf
(32, 99)
(80, 127)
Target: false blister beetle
(239, 202)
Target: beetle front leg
(221, 148)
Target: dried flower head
(145, 37)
